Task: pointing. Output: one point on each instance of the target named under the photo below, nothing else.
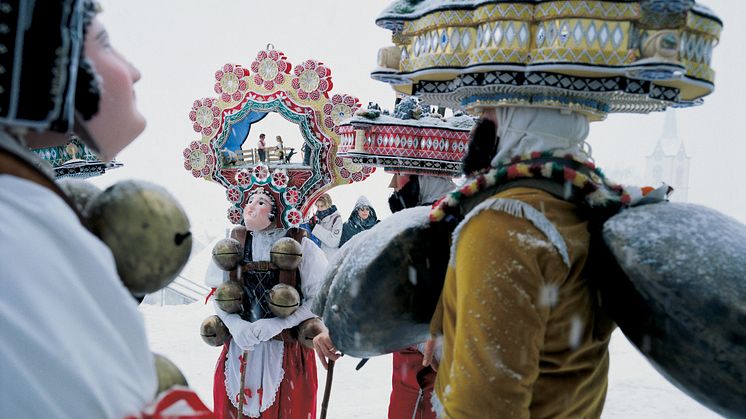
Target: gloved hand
(266, 329)
(242, 331)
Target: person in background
(306, 151)
(362, 218)
(411, 382)
(328, 227)
(308, 226)
(280, 149)
(261, 148)
(75, 344)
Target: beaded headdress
(594, 57)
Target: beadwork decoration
(468, 54)
(412, 141)
(74, 159)
(302, 94)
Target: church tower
(669, 162)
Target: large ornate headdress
(595, 57)
(411, 141)
(244, 95)
(75, 159)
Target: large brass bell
(308, 330)
(213, 331)
(146, 230)
(228, 297)
(283, 300)
(227, 253)
(168, 374)
(286, 254)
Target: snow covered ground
(636, 390)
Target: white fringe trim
(518, 209)
(438, 408)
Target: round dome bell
(283, 300)
(213, 331)
(168, 374)
(227, 253)
(228, 296)
(146, 230)
(286, 254)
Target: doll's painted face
(259, 212)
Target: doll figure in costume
(280, 378)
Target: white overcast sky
(179, 44)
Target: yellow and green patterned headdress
(594, 57)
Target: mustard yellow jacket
(522, 334)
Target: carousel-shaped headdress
(411, 141)
(75, 159)
(594, 57)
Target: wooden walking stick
(242, 387)
(327, 389)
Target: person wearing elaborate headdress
(534, 340)
(280, 373)
(522, 331)
(74, 343)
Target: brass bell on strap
(168, 374)
(228, 297)
(213, 331)
(286, 254)
(283, 300)
(227, 253)
(147, 231)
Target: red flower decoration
(339, 108)
(235, 215)
(292, 196)
(233, 194)
(205, 115)
(230, 83)
(294, 218)
(243, 177)
(279, 179)
(312, 80)
(261, 172)
(270, 68)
